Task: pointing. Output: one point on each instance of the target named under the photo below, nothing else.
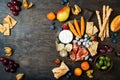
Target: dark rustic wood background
(34, 43)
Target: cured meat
(75, 47)
(78, 53)
(73, 56)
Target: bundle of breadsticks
(104, 23)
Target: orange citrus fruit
(85, 65)
(77, 71)
(51, 16)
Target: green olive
(104, 67)
(108, 64)
(105, 62)
(97, 65)
(101, 57)
(100, 62)
(107, 58)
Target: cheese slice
(93, 48)
(89, 28)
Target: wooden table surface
(34, 43)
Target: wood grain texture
(34, 43)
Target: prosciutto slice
(78, 53)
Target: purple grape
(19, 3)
(14, 2)
(16, 65)
(7, 69)
(12, 70)
(15, 13)
(110, 49)
(106, 47)
(102, 50)
(2, 58)
(18, 8)
(11, 62)
(9, 4)
(12, 66)
(5, 62)
(12, 8)
(118, 54)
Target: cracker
(2, 28)
(9, 20)
(60, 71)
(95, 30)
(89, 28)
(7, 31)
(93, 48)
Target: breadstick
(99, 19)
(104, 12)
(104, 24)
(107, 26)
(103, 18)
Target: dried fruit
(77, 10)
(8, 51)
(51, 16)
(64, 27)
(73, 30)
(89, 73)
(26, 5)
(77, 71)
(85, 65)
(82, 25)
(57, 61)
(19, 76)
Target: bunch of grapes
(10, 65)
(15, 6)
